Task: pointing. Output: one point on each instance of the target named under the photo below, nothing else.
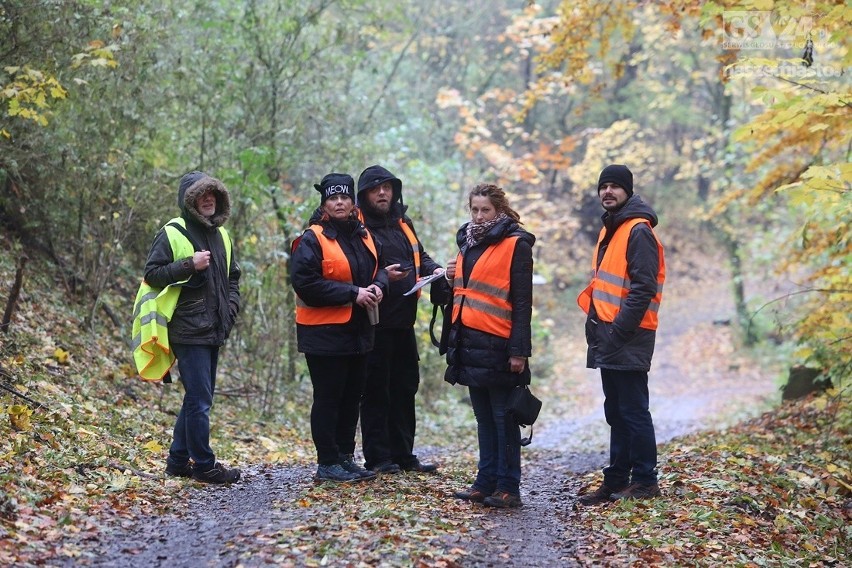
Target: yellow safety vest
(154, 307)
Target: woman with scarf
(335, 272)
(489, 341)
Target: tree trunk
(13, 294)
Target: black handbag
(523, 408)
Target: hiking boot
(503, 500)
(218, 474)
(600, 495)
(173, 470)
(348, 463)
(637, 491)
(471, 494)
(386, 467)
(336, 473)
(419, 467)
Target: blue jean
(632, 442)
(197, 365)
(499, 445)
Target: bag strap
(186, 234)
(527, 441)
(435, 308)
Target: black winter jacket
(397, 311)
(357, 335)
(209, 303)
(622, 344)
(480, 359)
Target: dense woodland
(733, 115)
(106, 104)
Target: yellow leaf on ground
(61, 355)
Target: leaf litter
(81, 481)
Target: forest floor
(740, 487)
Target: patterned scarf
(476, 231)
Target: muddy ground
(697, 383)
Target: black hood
(633, 208)
(192, 185)
(375, 175)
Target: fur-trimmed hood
(192, 185)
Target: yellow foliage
(61, 356)
(28, 92)
(622, 142)
(153, 447)
(19, 417)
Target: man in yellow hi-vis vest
(185, 309)
(622, 302)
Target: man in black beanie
(622, 302)
(393, 375)
(619, 175)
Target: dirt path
(697, 383)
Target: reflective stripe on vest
(154, 307)
(335, 266)
(610, 281)
(484, 303)
(415, 246)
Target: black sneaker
(173, 470)
(600, 495)
(637, 491)
(218, 474)
(348, 463)
(419, 467)
(386, 467)
(336, 473)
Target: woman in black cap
(336, 272)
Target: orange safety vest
(486, 296)
(415, 246)
(412, 240)
(335, 266)
(611, 283)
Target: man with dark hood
(622, 302)
(388, 419)
(191, 262)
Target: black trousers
(632, 442)
(387, 406)
(338, 382)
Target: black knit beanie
(336, 184)
(619, 175)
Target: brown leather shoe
(600, 495)
(637, 491)
(471, 494)
(503, 500)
